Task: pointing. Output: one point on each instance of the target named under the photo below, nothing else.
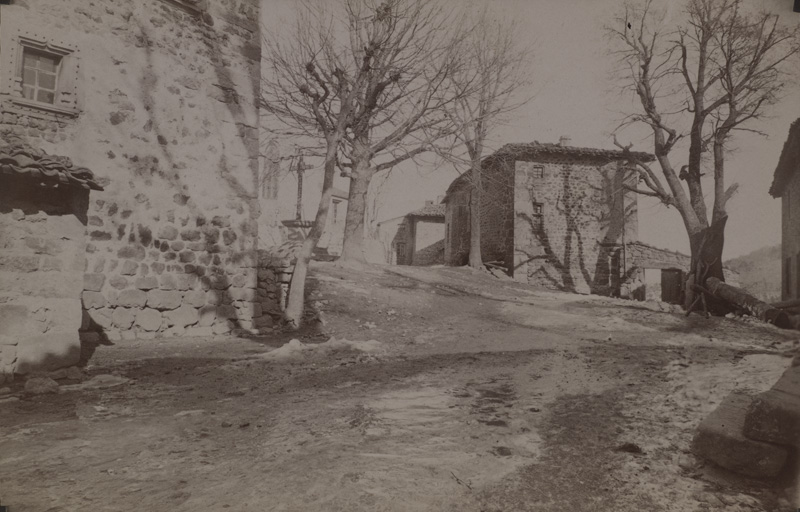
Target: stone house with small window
(786, 186)
(554, 215)
(159, 98)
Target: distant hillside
(760, 272)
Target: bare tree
(485, 91)
(307, 107)
(400, 56)
(704, 80)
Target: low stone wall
(247, 296)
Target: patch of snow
(296, 348)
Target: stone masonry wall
(42, 257)
(497, 219)
(166, 116)
(790, 239)
(568, 222)
(457, 230)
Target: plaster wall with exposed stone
(42, 258)
(160, 100)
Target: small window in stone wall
(537, 215)
(40, 74)
(537, 171)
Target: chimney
(428, 203)
(565, 140)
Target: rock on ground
(774, 416)
(720, 439)
(41, 385)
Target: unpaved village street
(444, 389)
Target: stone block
(118, 282)
(135, 252)
(774, 416)
(239, 280)
(93, 300)
(147, 283)
(213, 297)
(132, 298)
(168, 232)
(101, 317)
(208, 315)
(164, 299)
(720, 439)
(149, 319)
(19, 263)
(123, 318)
(185, 282)
(226, 312)
(196, 298)
(129, 268)
(183, 316)
(168, 282)
(186, 256)
(99, 265)
(191, 235)
(223, 327)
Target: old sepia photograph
(400, 255)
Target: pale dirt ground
(476, 395)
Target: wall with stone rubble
(164, 111)
(42, 257)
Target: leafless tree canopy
(493, 85)
(703, 80)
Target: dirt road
(443, 390)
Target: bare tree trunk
(475, 260)
(296, 302)
(719, 180)
(752, 305)
(706, 249)
(353, 244)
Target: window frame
(37, 86)
(537, 171)
(67, 100)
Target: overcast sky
(575, 96)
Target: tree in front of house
(700, 82)
(401, 54)
(486, 91)
(363, 83)
(307, 109)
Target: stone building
(555, 215)
(416, 238)
(43, 215)
(786, 185)
(160, 99)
